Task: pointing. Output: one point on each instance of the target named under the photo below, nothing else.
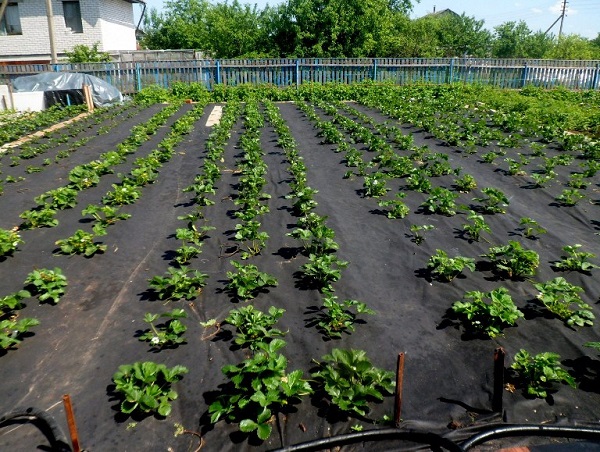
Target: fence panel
(132, 76)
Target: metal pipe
(499, 355)
(71, 422)
(399, 387)
(3, 8)
(50, 15)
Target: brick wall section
(104, 21)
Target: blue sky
(583, 16)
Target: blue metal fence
(130, 77)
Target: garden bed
(83, 339)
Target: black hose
(532, 430)
(375, 435)
(58, 440)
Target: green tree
(337, 28)
(574, 47)
(84, 54)
(510, 40)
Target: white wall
(109, 22)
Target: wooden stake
(87, 94)
(71, 422)
(399, 386)
(499, 355)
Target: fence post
(596, 77)
(525, 74)
(297, 73)
(218, 65)
(374, 69)
(138, 77)
(451, 71)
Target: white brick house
(24, 32)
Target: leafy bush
(9, 240)
(351, 381)
(146, 386)
(446, 268)
(335, 318)
(259, 387)
(168, 333)
(47, 284)
(539, 372)
(575, 260)
(178, 283)
(254, 326)
(248, 281)
(513, 260)
(490, 317)
(558, 296)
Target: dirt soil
(448, 381)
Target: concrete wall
(109, 22)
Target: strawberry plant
(418, 231)
(247, 282)
(541, 180)
(374, 185)
(445, 268)
(304, 201)
(476, 227)
(122, 195)
(398, 208)
(12, 301)
(569, 197)
(558, 296)
(104, 215)
(494, 202)
(575, 260)
(81, 242)
(531, 228)
(440, 201)
(166, 334)
(185, 253)
(323, 270)
(418, 181)
(255, 240)
(335, 318)
(259, 387)
(513, 260)
(576, 181)
(59, 198)
(316, 237)
(254, 326)
(38, 218)
(178, 283)
(12, 330)
(146, 387)
(465, 183)
(539, 372)
(350, 381)
(9, 240)
(82, 177)
(47, 284)
(488, 318)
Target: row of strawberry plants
(23, 125)
(138, 387)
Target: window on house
(11, 22)
(72, 13)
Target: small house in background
(24, 33)
(442, 13)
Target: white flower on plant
(155, 340)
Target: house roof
(442, 12)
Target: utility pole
(562, 17)
(50, 15)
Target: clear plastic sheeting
(103, 93)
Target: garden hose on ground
(58, 440)
(504, 431)
(440, 443)
(432, 439)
